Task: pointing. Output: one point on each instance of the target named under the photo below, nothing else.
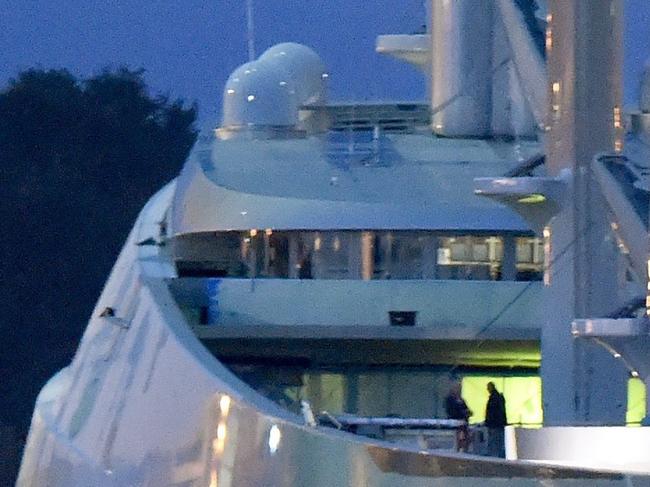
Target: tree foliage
(78, 159)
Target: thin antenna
(250, 30)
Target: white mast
(582, 384)
(250, 31)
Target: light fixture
(224, 404)
(275, 435)
(532, 199)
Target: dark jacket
(457, 408)
(495, 411)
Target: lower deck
(392, 378)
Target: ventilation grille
(401, 117)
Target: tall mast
(584, 50)
(250, 31)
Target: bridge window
(367, 255)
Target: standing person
(495, 420)
(457, 408)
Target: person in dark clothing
(456, 408)
(495, 420)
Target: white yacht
(293, 308)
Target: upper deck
(347, 177)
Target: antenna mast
(250, 30)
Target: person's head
(455, 389)
(491, 387)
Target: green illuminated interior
(635, 402)
(523, 396)
(532, 199)
(524, 399)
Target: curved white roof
(408, 181)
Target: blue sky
(189, 47)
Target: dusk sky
(188, 48)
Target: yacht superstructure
(327, 257)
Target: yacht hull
(144, 403)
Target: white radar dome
(259, 93)
(271, 90)
(304, 66)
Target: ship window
(267, 254)
(530, 258)
(331, 255)
(470, 257)
(210, 255)
(367, 255)
(406, 256)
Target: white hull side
(143, 403)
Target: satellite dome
(304, 66)
(271, 90)
(259, 93)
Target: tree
(78, 160)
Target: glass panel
(636, 399)
(278, 257)
(364, 255)
(530, 259)
(382, 255)
(523, 398)
(332, 392)
(304, 254)
(330, 255)
(407, 250)
(470, 257)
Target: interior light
(336, 245)
(250, 97)
(224, 404)
(219, 443)
(617, 118)
(213, 478)
(275, 435)
(221, 431)
(532, 199)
